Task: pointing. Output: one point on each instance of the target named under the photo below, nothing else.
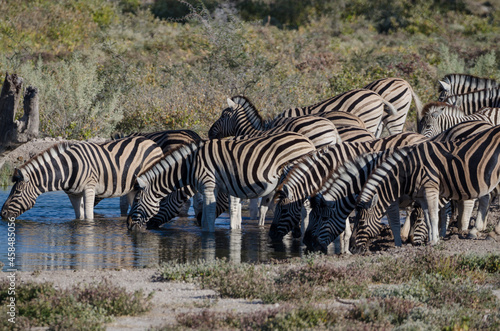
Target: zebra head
(146, 205)
(22, 197)
(418, 229)
(430, 122)
(317, 236)
(287, 215)
(366, 225)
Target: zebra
(453, 84)
(240, 168)
(439, 116)
(309, 173)
(473, 101)
(399, 93)
(456, 170)
(168, 140)
(350, 133)
(366, 104)
(84, 171)
(418, 230)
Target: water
(48, 237)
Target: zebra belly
(253, 191)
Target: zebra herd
(317, 165)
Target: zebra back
(167, 140)
(452, 84)
(354, 134)
(473, 101)
(463, 130)
(399, 93)
(366, 104)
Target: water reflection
(47, 237)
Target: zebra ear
(457, 102)
(141, 183)
(373, 202)
(445, 85)
(18, 176)
(436, 113)
(231, 103)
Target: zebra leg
(338, 243)
(431, 213)
(465, 208)
(88, 200)
(346, 238)
(444, 220)
(235, 212)
(77, 203)
(304, 213)
(482, 212)
(394, 222)
(209, 207)
(405, 230)
(254, 209)
(266, 203)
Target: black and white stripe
(242, 169)
(399, 93)
(456, 170)
(309, 174)
(474, 101)
(84, 171)
(368, 105)
(453, 84)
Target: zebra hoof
(472, 234)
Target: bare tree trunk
(9, 101)
(15, 132)
(27, 126)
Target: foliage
(144, 66)
(87, 307)
(421, 289)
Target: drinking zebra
(309, 173)
(453, 84)
(473, 101)
(366, 104)
(84, 171)
(399, 93)
(456, 170)
(439, 116)
(171, 205)
(242, 169)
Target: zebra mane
(172, 156)
(252, 113)
(53, 150)
(291, 171)
(381, 172)
(431, 107)
(344, 170)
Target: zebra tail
(389, 108)
(419, 107)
